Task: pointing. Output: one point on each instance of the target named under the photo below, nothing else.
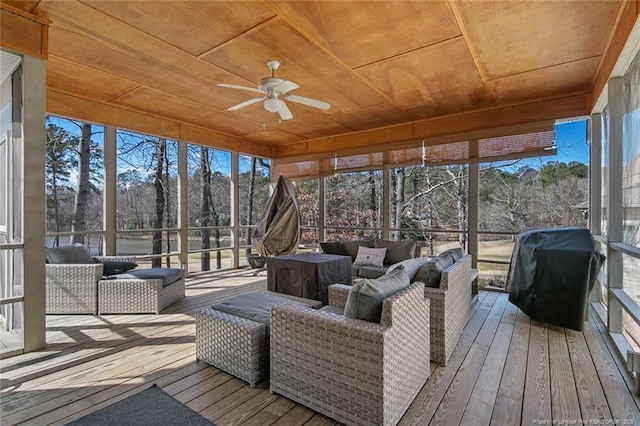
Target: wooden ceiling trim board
(405, 53)
(275, 9)
(553, 109)
(23, 32)
(544, 68)
(25, 14)
(565, 107)
(244, 34)
(87, 82)
(545, 82)
(125, 93)
(518, 129)
(24, 5)
(229, 143)
(474, 54)
(73, 107)
(628, 14)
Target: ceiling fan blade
(285, 86)
(244, 104)
(233, 86)
(308, 101)
(285, 112)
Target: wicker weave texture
(338, 294)
(132, 296)
(450, 308)
(236, 345)
(353, 371)
(71, 289)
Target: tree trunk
(399, 203)
(205, 234)
(252, 183)
(167, 200)
(156, 248)
(372, 200)
(56, 213)
(79, 223)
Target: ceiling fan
(273, 91)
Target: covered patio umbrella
(278, 231)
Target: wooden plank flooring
(506, 370)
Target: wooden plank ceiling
(379, 64)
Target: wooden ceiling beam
(71, 106)
(24, 32)
(473, 124)
(627, 17)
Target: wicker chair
(450, 308)
(73, 288)
(354, 371)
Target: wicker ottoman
(140, 291)
(231, 336)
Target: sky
(571, 139)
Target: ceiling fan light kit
(273, 104)
(274, 90)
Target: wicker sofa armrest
(338, 294)
(72, 288)
(406, 307)
(460, 271)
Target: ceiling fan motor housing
(268, 83)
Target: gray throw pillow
(365, 298)
(112, 267)
(456, 253)
(431, 271)
(397, 251)
(332, 248)
(73, 254)
(350, 247)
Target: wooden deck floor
(506, 370)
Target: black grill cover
(551, 274)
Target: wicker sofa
(396, 251)
(450, 300)
(77, 283)
(354, 371)
(72, 288)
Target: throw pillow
(72, 254)
(397, 251)
(370, 256)
(113, 267)
(412, 266)
(431, 271)
(332, 248)
(365, 298)
(456, 253)
(350, 247)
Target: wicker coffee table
(235, 343)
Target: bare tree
(79, 223)
(156, 246)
